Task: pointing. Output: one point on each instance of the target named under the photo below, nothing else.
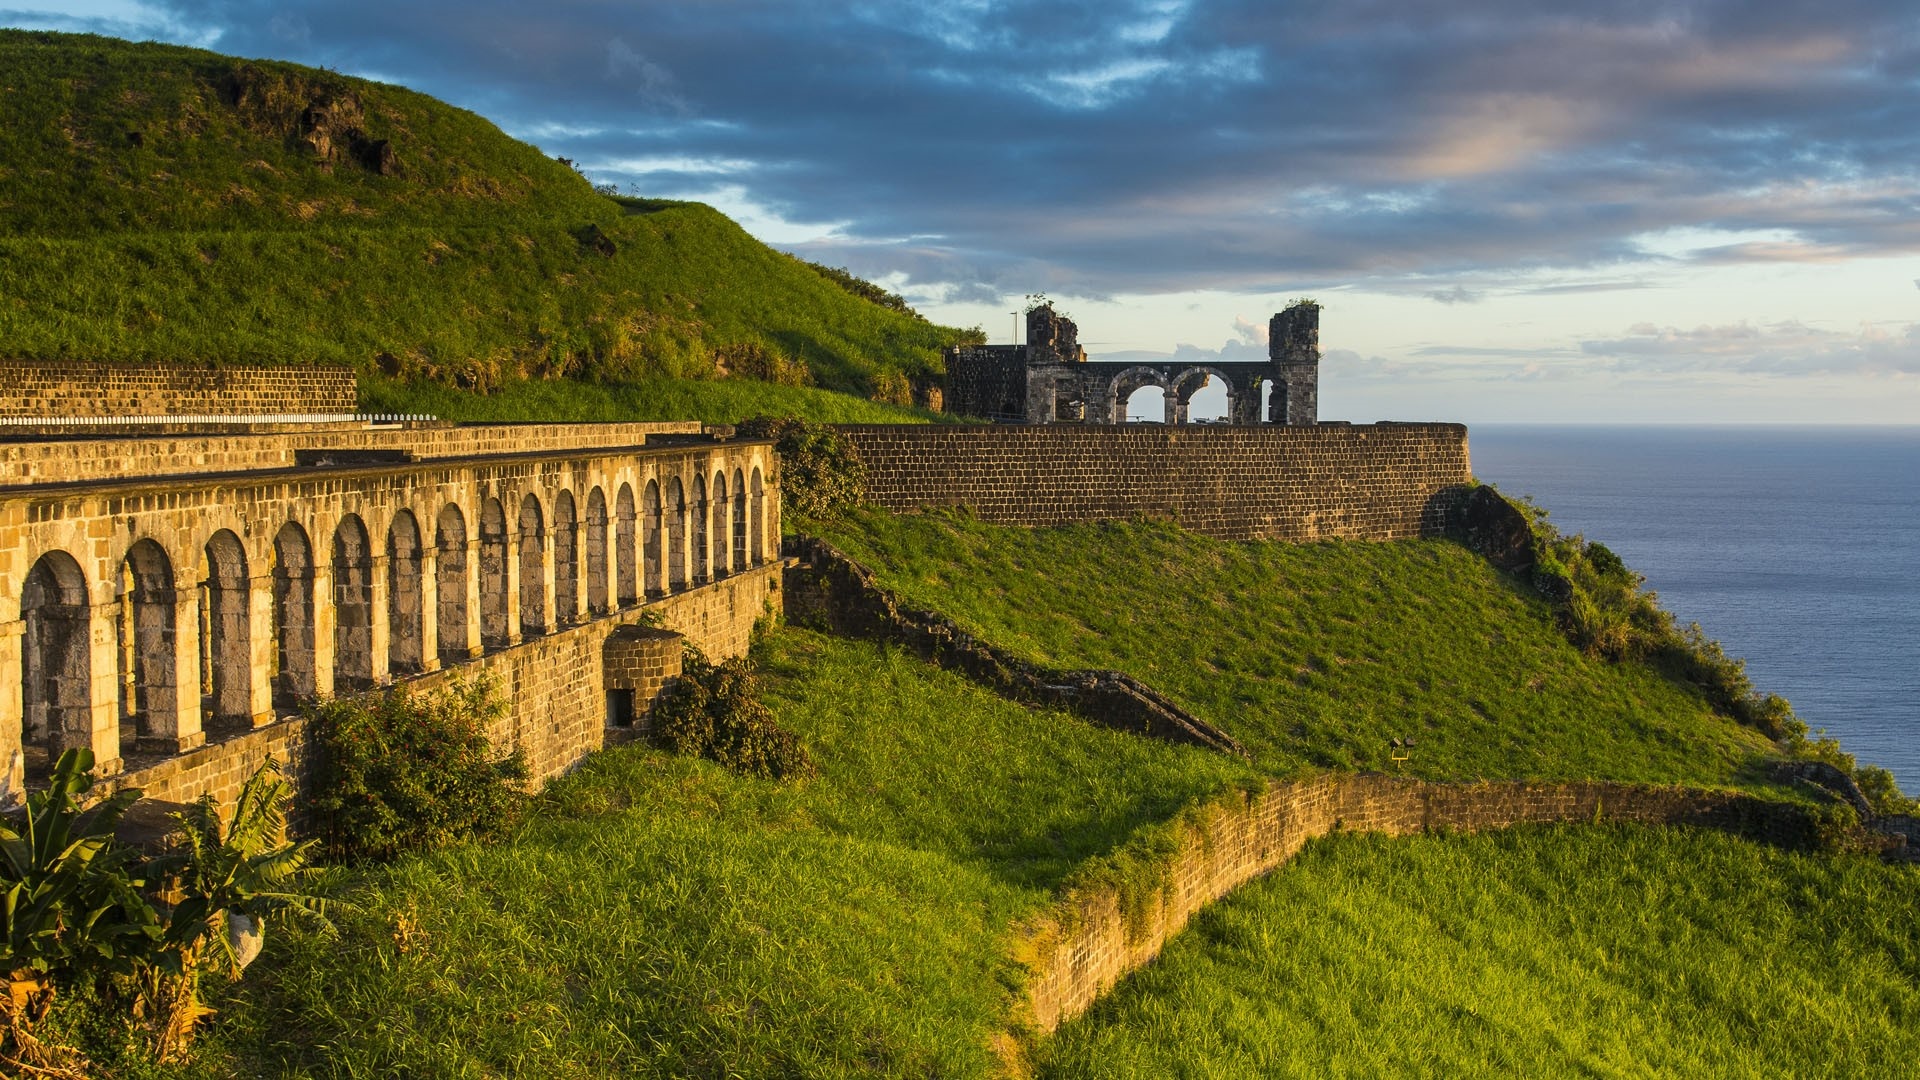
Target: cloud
(1149, 146)
(1785, 349)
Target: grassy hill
(164, 203)
(1315, 655)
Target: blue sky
(1512, 209)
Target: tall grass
(1539, 951)
(1316, 655)
(713, 401)
(660, 916)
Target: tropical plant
(714, 711)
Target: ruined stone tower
(1293, 347)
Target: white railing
(210, 418)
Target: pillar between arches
(173, 712)
(380, 636)
(475, 645)
(13, 762)
(512, 571)
(103, 689)
(261, 646)
(325, 621)
(429, 606)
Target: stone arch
(597, 595)
(533, 562)
(698, 523)
(650, 544)
(627, 580)
(676, 530)
(721, 563)
(149, 691)
(406, 596)
(226, 630)
(566, 560)
(293, 568)
(494, 631)
(56, 663)
(352, 607)
(1190, 381)
(739, 519)
(1125, 384)
(757, 529)
(450, 585)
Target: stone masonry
(1373, 482)
(73, 388)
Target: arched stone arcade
(141, 618)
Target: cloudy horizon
(1689, 212)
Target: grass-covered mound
(1315, 655)
(1562, 951)
(165, 203)
(660, 916)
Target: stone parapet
(71, 388)
(1370, 482)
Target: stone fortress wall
(76, 388)
(167, 602)
(1272, 482)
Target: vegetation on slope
(662, 916)
(713, 401)
(1538, 951)
(162, 203)
(1316, 655)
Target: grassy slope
(1314, 655)
(715, 401)
(663, 917)
(156, 203)
(1536, 952)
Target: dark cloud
(1168, 145)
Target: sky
(1511, 210)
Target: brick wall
(555, 684)
(1375, 481)
(68, 388)
(1087, 943)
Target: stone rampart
(1373, 482)
(555, 686)
(1088, 942)
(36, 460)
(73, 388)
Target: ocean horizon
(1797, 547)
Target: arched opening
(293, 680)
(406, 630)
(1205, 397)
(758, 527)
(352, 607)
(533, 561)
(650, 527)
(226, 653)
(628, 580)
(597, 552)
(739, 520)
(721, 567)
(450, 585)
(566, 561)
(149, 695)
(494, 632)
(56, 665)
(1146, 405)
(676, 536)
(699, 522)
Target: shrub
(405, 772)
(820, 473)
(714, 711)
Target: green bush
(821, 474)
(714, 711)
(406, 772)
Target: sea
(1798, 548)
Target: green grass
(1538, 952)
(663, 917)
(1315, 655)
(721, 401)
(217, 237)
